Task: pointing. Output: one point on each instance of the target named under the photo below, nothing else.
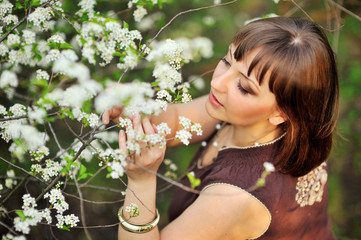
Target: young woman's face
(236, 98)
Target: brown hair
(304, 80)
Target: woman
(276, 91)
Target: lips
(214, 100)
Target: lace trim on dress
(310, 187)
(256, 145)
(269, 214)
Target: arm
(220, 212)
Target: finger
(147, 126)
(137, 126)
(115, 113)
(122, 141)
(105, 117)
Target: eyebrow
(250, 80)
(246, 77)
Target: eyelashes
(224, 60)
(243, 91)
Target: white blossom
(185, 122)
(11, 19)
(8, 78)
(36, 114)
(168, 51)
(18, 110)
(70, 54)
(167, 76)
(139, 13)
(269, 167)
(41, 74)
(53, 55)
(163, 129)
(40, 17)
(57, 38)
(117, 169)
(2, 110)
(164, 94)
(197, 128)
(13, 39)
(21, 226)
(186, 98)
(183, 136)
(29, 36)
(86, 6)
(5, 8)
(130, 61)
(3, 49)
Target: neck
(244, 137)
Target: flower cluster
(189, 127)
(132, 209)
(41, 18)
(57, 201)
(39, 154)
(107, 38)
(51, 169)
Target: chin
(212, 112)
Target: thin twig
(184, 12)
(82, 216)
(8, 228)
(91, 178)
(93, 202)
(345, 10)
(22, 169)
(56, 139)
(304, 12)
(14, 190)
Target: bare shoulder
(222, 211)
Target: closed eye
(243, 91)
(224, 60)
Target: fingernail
(136, 116)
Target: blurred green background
(220, 24)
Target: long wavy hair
(303, 77)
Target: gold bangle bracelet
(134, 228)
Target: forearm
(195, 111)
(143, 194)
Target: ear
(278, 118)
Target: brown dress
(298, 206)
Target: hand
(150, 157)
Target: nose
(220, 80)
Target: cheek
(248, 108)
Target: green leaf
(65, 228)
(53, 45)
(66, 46)
(195, 182)
(117, 54)
(82, 169)
(18, 6)
(21, 214)
(35, 3)
(125, 24)
(40, 82)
